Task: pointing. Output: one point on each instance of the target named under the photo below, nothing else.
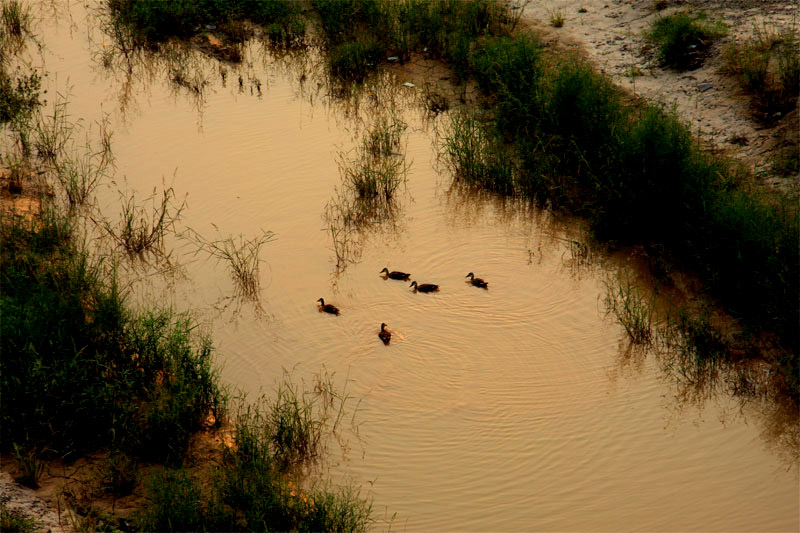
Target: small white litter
(392, 58)
(408, 84)
(211, 26)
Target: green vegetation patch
(258, 484)
(767, 66)
(80, 373)
(683, 38)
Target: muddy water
(513, 408)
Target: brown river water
(510, 409)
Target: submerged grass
(241, 255)
(142, 232)
(371, 177)
(632, 309)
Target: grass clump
(683, 38)
(378, 169)
(19, 90)
(16, 18)
(476, 158)
(767, 65)
(352, 60)
(371, 177)
(557, 19)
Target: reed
(143, 228)
(241, 255)
(633, 310)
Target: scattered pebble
(705, 86)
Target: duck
(478, 282)
(396, 274)
(425, 287)
(384, 335)
(328, 308)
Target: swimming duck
(328, 308)
(395, 274)
(384, 335)
(425, 287)
(478, 282)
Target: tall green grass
(440, 28)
